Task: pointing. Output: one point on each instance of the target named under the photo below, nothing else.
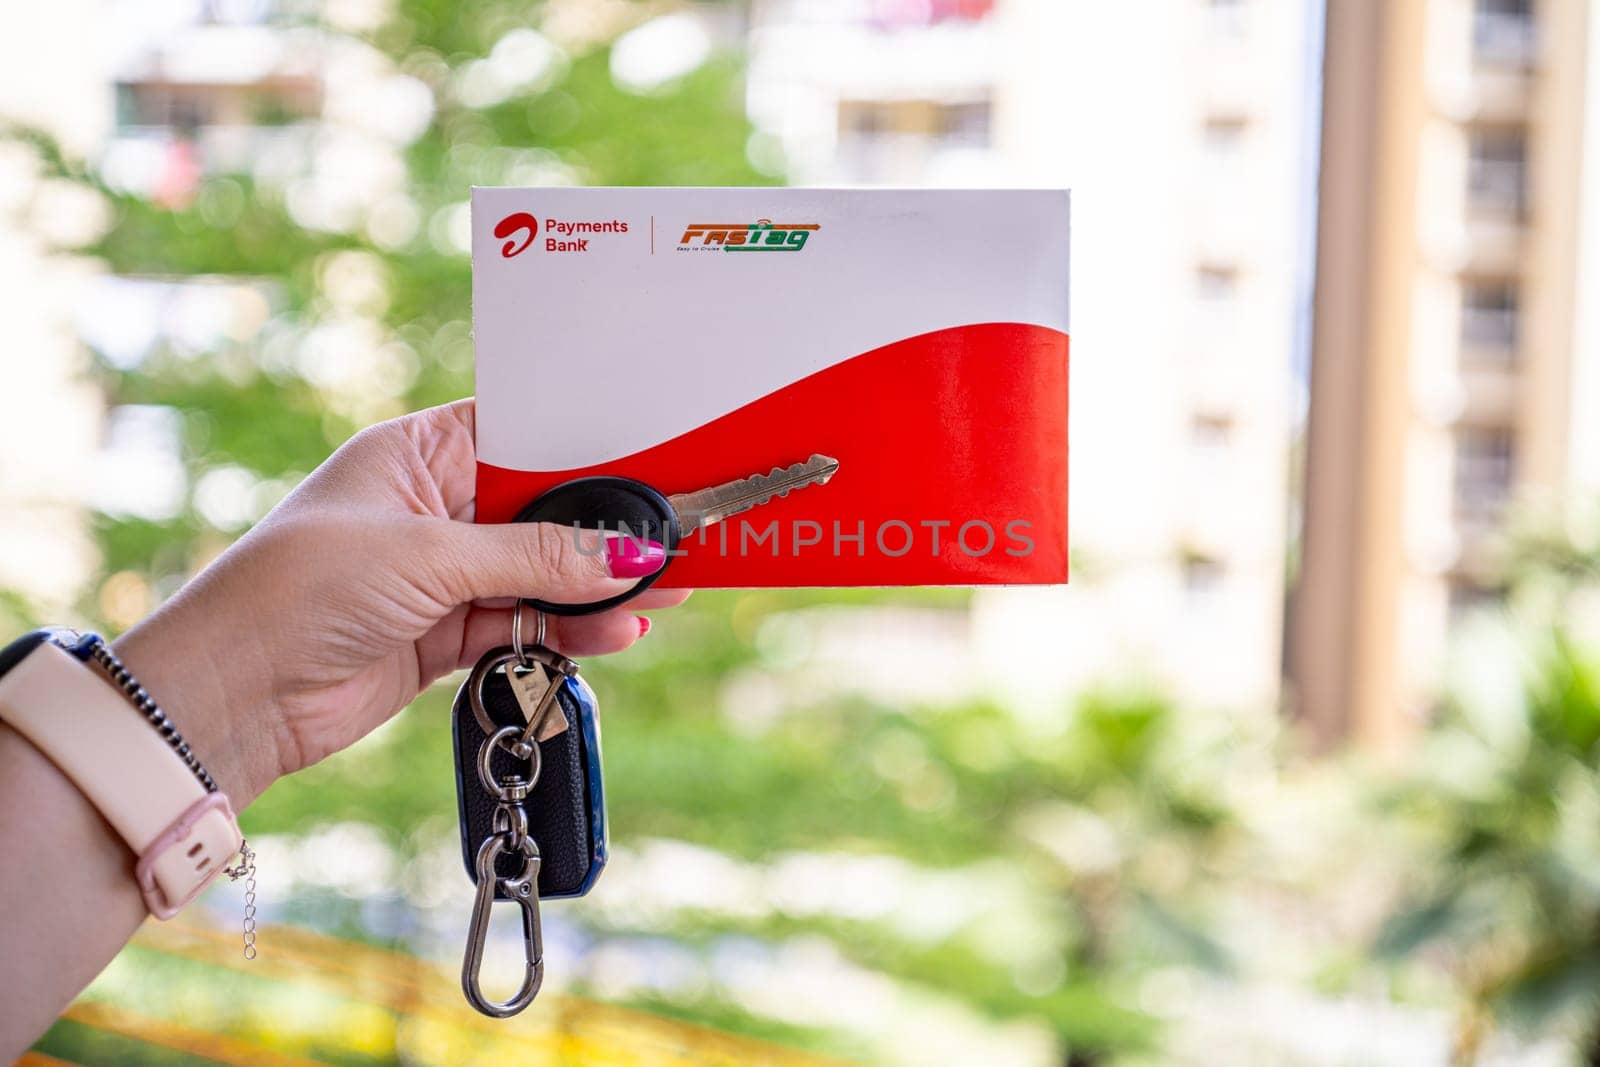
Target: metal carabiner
(524, 891)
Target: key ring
(475, 682)
(515, 789)
(560, 667)
(516, 632)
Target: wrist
(225, 720)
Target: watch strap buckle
(188, 855)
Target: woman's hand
(364, 585)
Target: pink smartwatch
(74, 701)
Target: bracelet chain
(246, 869)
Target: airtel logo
(565, 235)
(521, 222)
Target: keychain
(527, 748)
(526, 728)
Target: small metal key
(632, 507)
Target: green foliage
(400, 779)
(253, 236)
(16, 613)
(1507, 797)
(948, 787)
(73, 1042)
(1564, 701)
(709, 1011)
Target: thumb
(542, 560)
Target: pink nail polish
(629, 557)
(644, 625)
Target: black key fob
(566, 807)
(620, 505)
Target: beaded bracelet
(123, 678)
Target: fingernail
(644, 625)
(629, 557)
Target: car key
(629, 506)
(530, 796)
(525, 726)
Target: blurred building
(878, 92)
(1183, 131)
(282, 104)
(191, 88)
(210, 86)
(1453, 344)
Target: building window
(1210, 430)
(1485, 466)
(966, 125)
(893, 141)
(1489, 315)
(958, 124)
(174, 106)
(1497, 171)
(1504, 31)
(1467, 597)
(864, 118)
(1202, 574)
(1223, 136)
(1228, 18)
(1216, 282)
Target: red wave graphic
(960, 426)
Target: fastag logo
(760, 236)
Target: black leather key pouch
(566, 807)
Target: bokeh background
(1301, 768)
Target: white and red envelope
(684, 337)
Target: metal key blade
(705, 507)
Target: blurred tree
(1507, 793)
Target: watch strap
(183, 834)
